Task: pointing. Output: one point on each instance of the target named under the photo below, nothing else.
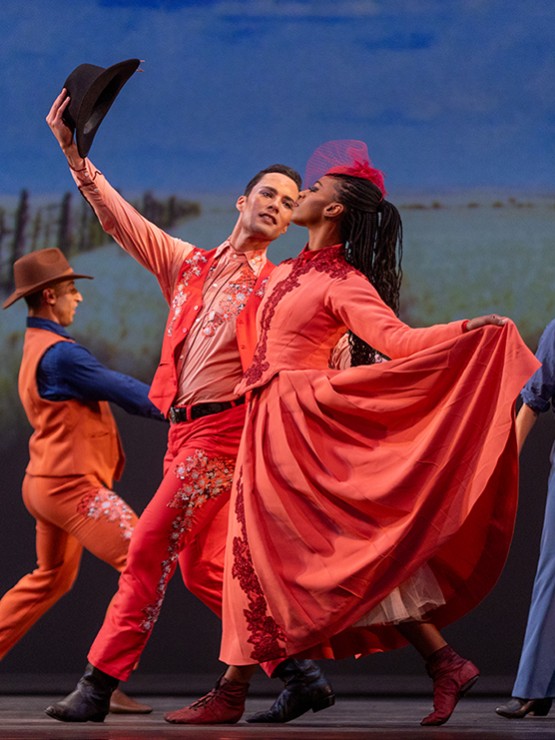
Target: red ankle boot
(223, 705)
(453, 676)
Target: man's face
(266, 211)
(313, 202)
(63, 298)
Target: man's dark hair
(34, 300)
(281, 169)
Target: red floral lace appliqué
(330, 261)
(107, 504)
(266, 635)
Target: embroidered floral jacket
(185, 305)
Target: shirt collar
(35, 322)
(307, 253)
(255, 258)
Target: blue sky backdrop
(448, 94)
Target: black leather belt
(180, 414)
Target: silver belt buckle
(172, 415)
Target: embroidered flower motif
(266, 635)
(167, 566)
(231, 302)
(107, 504)
(204, 478)
(192, 267)
(261, 288)
(179, 299)
(330, 261)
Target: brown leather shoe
(120, 703)
(224, 705)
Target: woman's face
(313, 202)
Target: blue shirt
(67, 370)
(539, 391)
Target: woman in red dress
(371, 505)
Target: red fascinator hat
(343, 157)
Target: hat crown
(40, 267)
(83, 76)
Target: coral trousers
(185, 522)
(71, 513)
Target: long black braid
(372, 232)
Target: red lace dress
(350, 482)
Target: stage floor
(22, 718)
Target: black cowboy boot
(90, 702)
(306, 688)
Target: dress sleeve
(157, 251)
(355, 301)
(539, 391)
(68, 370)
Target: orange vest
(70, 437)
(194, 271)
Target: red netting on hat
(343, 157)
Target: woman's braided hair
(372, 232)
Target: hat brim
(22, 292)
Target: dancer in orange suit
(74, 452)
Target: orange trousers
(71, 514)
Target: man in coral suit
(75, 450)
(208, 342)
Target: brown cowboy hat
(38, 269)
(92, 91)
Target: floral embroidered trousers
(71, 513)
(185, 522)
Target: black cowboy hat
(92, 91)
